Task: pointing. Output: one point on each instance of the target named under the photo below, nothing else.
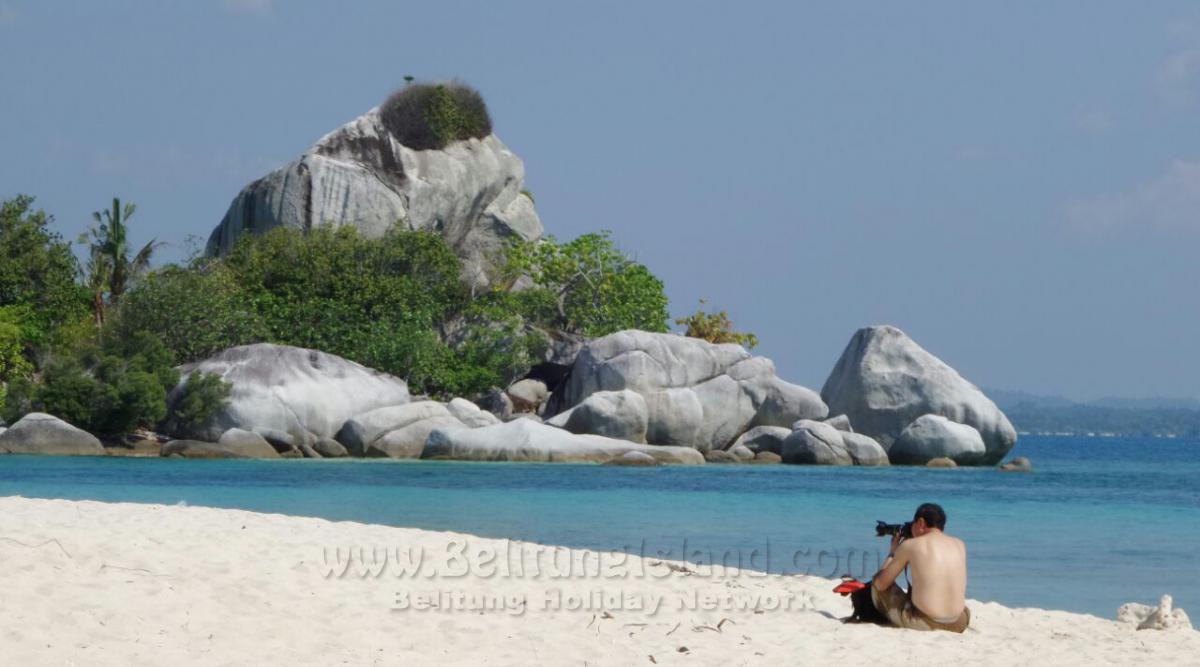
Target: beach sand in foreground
(88, 583)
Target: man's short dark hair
(934, 515)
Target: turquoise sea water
(1103, 521)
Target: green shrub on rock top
(202, 396)
(588, 286)
(427, 116)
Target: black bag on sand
(864, 608)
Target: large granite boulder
(528, 440)
(396, 431)
(697, 394)
(470, 192)
(863, 449)
(40, 433)
(815, 443)
(819, 443)
(247, 444)
(612, 414)
(763, 439)
(933, 437)
(306, 393)
(527, 395)
(195, 449)
(470, 414)
(884, 381)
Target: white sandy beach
(87, 583)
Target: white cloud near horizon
(1170, 202)
(1178, 78)
(250, 6)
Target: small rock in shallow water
(720, 456)
(632, 459)
(1019, 464)
(941, 462)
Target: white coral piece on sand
(1162, 617)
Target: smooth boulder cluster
(695, 393)
(630, 398)
(913, 404)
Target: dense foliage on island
(98, 342)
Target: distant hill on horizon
(1156, 416)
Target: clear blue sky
(1016, 184)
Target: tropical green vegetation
(715, 328)
(434, 115)
(97, 342)
(57, 352)
(397, 303)
(589, 286)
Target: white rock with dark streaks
(295, 390)
(40, 433)
(470, 192)
(934, 437)
(698, 394)
(884, 381)
(528, 440)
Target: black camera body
(883, 528)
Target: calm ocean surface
(1103, 521)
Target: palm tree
(96, 279)
(110, 268)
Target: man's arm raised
(892, 567)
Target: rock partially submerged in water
(246, 443)
(697, 394)
(360, 433)
(306, 393)
(819, 443)
(763, 439)
(1019, 464)
(40, 433)
(934, 437)
(815, 443)
(634, 459)
(528, 440)
(884, 381)
(196, 449)
(1162, 617)
(941, 463)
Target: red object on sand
(848, 587)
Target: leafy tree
(715, 328)
(202, 396)
(37, 273)
(111, 389)
(595, 289)
(110, 269)
(195, 311)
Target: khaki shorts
(902, 613)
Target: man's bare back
(937, 566)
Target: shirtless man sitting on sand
(938, 565)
